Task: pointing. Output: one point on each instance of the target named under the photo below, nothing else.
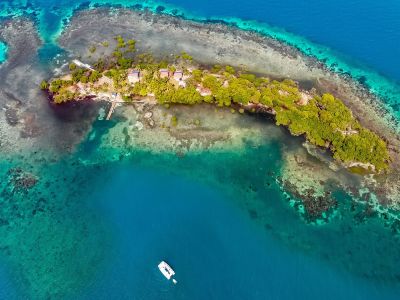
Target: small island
(127, 76)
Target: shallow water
(3, 52)
(98, 232)
(96, 229)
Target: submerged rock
(11, 116)
(139, 125)
(21, 180)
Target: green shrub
(230, 70)
(124, 63)
(324, 120)
(131, 45)
(44, 85)
(186, 56)
(77, 74)
(84, 79)
(120, 41)
(174, 121)
(216, 69)
(92, 49)
(117, 54)
(72, 66)
(94, 76)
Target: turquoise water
(91, 230)
(94, 229)
(226, 229)
(3, 52)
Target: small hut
(164, 73)
(134, 76)
(178, 75)
(203, 91)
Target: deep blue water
(216, 249)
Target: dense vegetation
(323, 119)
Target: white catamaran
(167, 271)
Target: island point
(127, 76)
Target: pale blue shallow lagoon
(91, 230)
